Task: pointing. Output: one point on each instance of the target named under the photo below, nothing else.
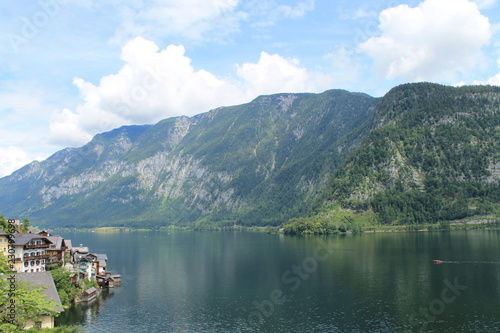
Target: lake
(240, 281)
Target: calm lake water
(254, 282)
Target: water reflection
(85, 313)
(235, 281)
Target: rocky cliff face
(258, 163)
(422, 153)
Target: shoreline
(490, 223)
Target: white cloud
(193, 19)
(494, 81)
(273, 73)
(24, 107)
(155, 84)
(200, 20)
(12, 159)
(65, 128)
(433, 41)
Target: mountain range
(421, 153)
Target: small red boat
(437, 261)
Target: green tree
(3, 223)
(29, 303)
(4, 266)
(67, 291)
(26, 225)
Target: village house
(42, 279)
(56, 250)
(77, 252)
(4, 242)
(90, 294)
(89, 265)
(108, 280)
(44, 233)
(58, 247)
(86, 266)
(101, 264)
(30, 252)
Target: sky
(70, 69)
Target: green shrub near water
(331, 220)
(67, 291)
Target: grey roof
(90, 290)
(25, 238)
(56, 242)
(80, 249)
(42, 279)
(85, 257)
(101, 256)
(2, 232)
(68, 244)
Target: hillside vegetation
(335, 161)
(433, 154)
(260, 163)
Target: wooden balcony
(43, 256)
(38, 246)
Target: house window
(26, 264)
(38, 262)
(38, 324)
(37, 270)
(32, 263)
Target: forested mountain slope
(422, 153)
(433, 153)
(259, 163)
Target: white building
(30, 252)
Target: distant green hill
(422, 153)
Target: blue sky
(70, 69)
